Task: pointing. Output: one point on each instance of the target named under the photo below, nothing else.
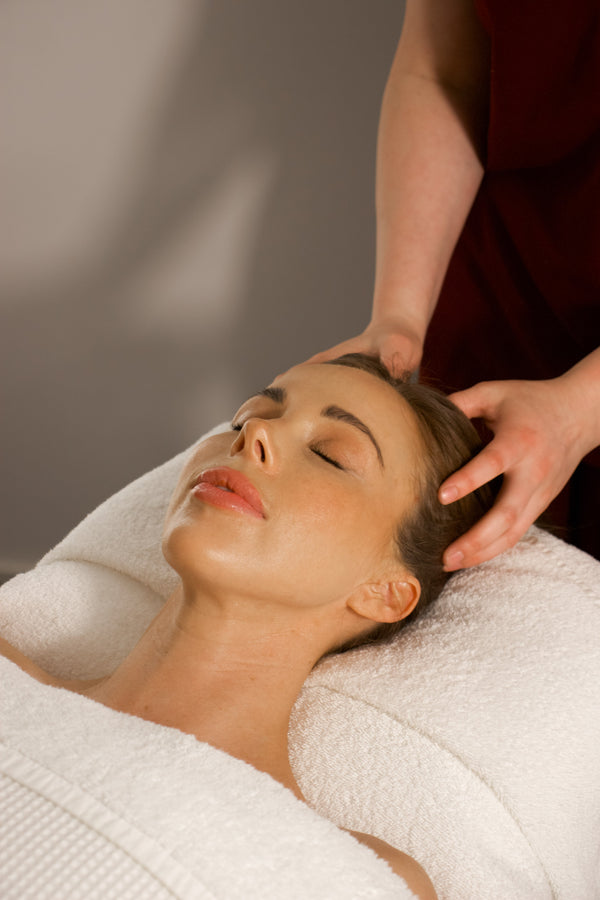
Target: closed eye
(317, 450)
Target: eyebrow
(279, 395)
(342, 415)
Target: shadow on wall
(187, 210)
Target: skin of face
(327, 536)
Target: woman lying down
(310, 527)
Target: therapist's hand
(398, 348)
(542, 430)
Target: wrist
(399, 334)
(400, 314)
(407, 302)
(582, 384)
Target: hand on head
(392, 341)
(541, 433)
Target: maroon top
(521, 298)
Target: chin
(202, 561)
(184, 552)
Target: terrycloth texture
(136, 809)
(76, 619)
(472, 742)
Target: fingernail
(453, 560)
(449, 494)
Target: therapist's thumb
(479, 401)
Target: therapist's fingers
(540, 435)
(517, 507)
(522, 499)
(481, 400)
(490, 462)
(533, 476)
(358, 344)
(525, 451)
(398, 348)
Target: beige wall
(187, 208)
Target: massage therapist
(488, 249)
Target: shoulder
(9, 652)
(403, 865)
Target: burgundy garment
(521, 298)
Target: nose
(255, 441)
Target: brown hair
(449, 441)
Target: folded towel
(97, 804)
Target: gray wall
(187, 209)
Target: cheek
(325, 549)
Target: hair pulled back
(449, 440)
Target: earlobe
(386, 601)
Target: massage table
(471, 741)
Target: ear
(386, 601)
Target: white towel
(473, 741)
(93, 800)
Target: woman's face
(328, 458)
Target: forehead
(377, 404)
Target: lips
(229, 489)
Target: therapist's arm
(429, 167)
(542, 430)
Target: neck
(225, 678)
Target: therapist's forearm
(429, 169)
(583, 381)
(428, 173)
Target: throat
(249, 725)
(229, 683)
